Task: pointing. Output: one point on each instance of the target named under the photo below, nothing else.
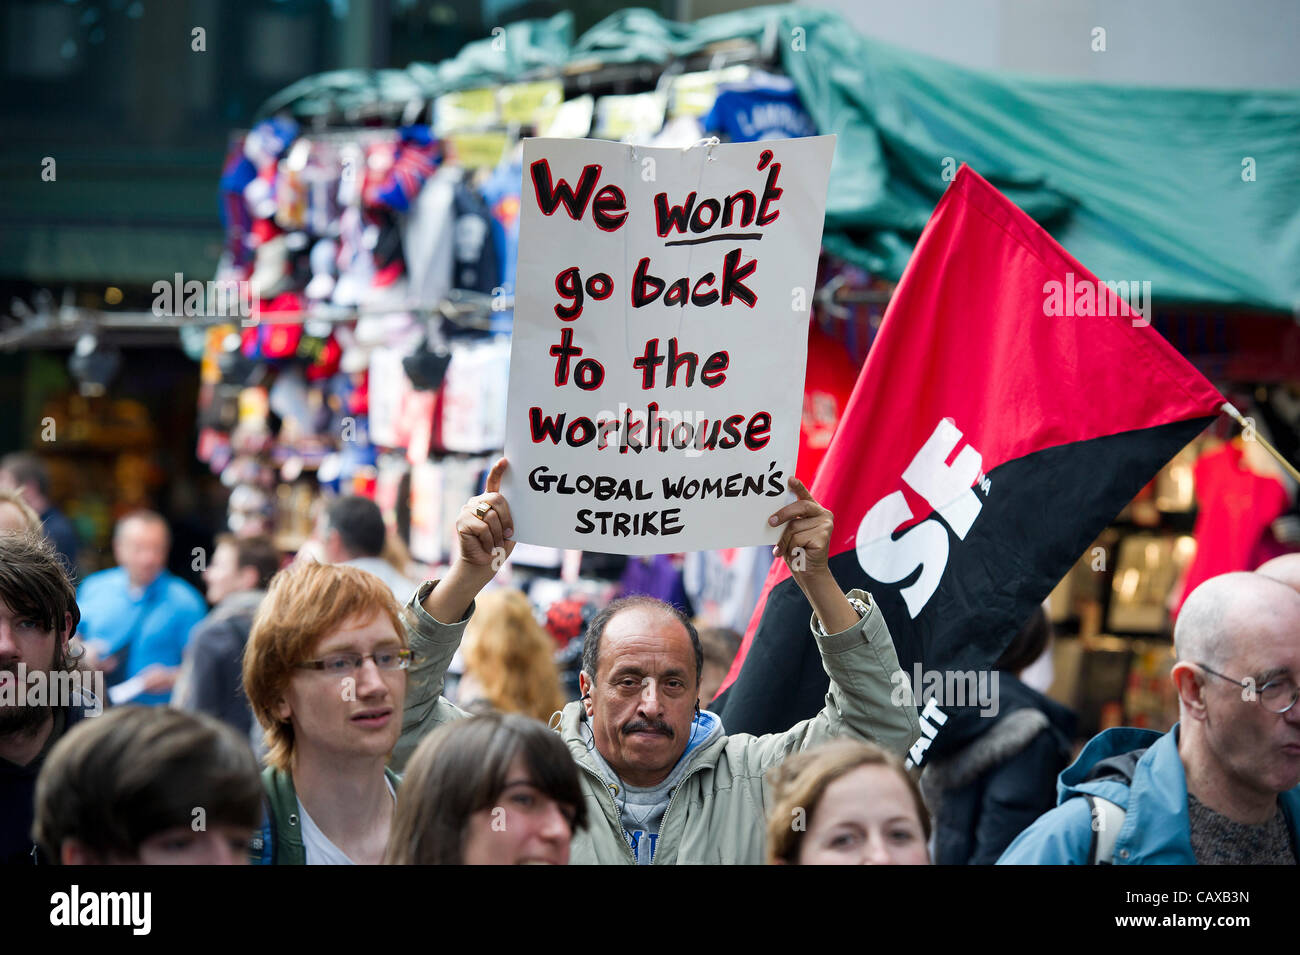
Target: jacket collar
(1157, 827)
(284, 830)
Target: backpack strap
(1107, 820)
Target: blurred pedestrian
(212, 674)
(139, 610)
(27, 474)
(352, 532)
(16, 515)
(989, 775)
(1284, 569)
(509, 659)
(720, 645)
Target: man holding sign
(662, 780)
(656, 389)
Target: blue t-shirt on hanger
(759, 112)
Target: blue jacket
(153, 628)
(1150, 786)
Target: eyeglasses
(390, 658)
(1276, 696)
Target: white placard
(660, 339)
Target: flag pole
(1231, 411)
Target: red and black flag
(1010, 406)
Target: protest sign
(661, 320)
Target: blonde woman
(509, 659)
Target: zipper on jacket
(663, 820)
(618, 818)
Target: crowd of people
(308, 723)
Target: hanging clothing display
(764, 107)
(1237, 505)
(477, 263)
(474, 398)
(430, 238)
(502, 192)
(827, 388)
(724, 585)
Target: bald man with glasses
(1221, 787)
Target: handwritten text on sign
(661, 320)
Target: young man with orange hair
(331, 677)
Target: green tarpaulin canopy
(1195, 191)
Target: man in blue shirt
(139, 607)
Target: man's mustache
(648, 726)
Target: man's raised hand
(805, 542)
(484, 526)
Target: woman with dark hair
(498, 789)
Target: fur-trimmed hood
(976, 744)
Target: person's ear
(1191, 688)
(283, 711)
(585, 688)
(66, 634)
(248, 577)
